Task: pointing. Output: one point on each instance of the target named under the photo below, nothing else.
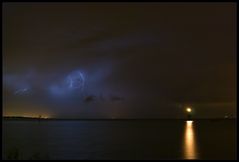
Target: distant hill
(20, 118)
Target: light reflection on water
(116, 139)
(190, 149)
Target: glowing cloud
(75, 80)
(21, 91)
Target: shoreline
(102, 119)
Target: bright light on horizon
(189, 109)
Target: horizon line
(22, 117)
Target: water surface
(99, 139)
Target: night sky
(119, 60)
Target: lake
(119, 139)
